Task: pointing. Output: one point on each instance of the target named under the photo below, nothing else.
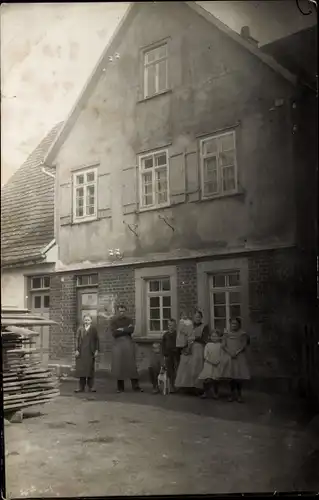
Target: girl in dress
(192, 356)
(213, 366)
(235, 369)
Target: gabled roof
(27, 208)
(298, 53)
(114, 41)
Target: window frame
(160, 294)
(84, 171)
(153, 169)
(227, 289)
(220, 193)
(155, 63)
(87, 285)
(42, 288)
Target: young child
(155, 364)
(170, 352)
(212, 366)
(236, 369)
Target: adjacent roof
(298, 53)
(27, 208)
(114, 41)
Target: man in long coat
(87, 347)
(123, 352)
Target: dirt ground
(140, 444)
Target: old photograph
(159, 248)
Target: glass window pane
(79, 192)
(210, 168)
(94, 279)
(90, 210)
(166, 285)
(228, 176)
(167, 301)
(80, 179)
(226, 142)
(80, 202)
(219, 280)
(154, 302)
(155, 326)
(90, 177)
(160, 159)
(161, 51)
(79, 212)
(150, 56)
(154, 286)
(79, 280)
(151, 80)
(36, 283)
(155, 313)
(162, 197)
(227, 158)
(46, 301)
(234, 298)
(219, 298)
(234, 279)
(147, 162)
(166, 312)
(210, 146)
(210, 188)
(162, 75)
(46, 282)
(148, 200)
(220, 311)
(220, 324)
(235, 311)
(90, 190)
(37, 302)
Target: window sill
(238, 193)
(150, 209)
(82, 221)
(145, 99)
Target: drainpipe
(55, 177)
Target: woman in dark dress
(87, 348)
(123, 352)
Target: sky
(48, 51)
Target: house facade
(28, 246)
(175, 185)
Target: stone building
(176, 185)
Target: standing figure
(235, 369)
(170, 352)
(192, 356)
(213, 365)
(184, 332)
(87, 348)
(155, 364)
(123, 352)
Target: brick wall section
(274, 312)
(187, 286)
(63, 310)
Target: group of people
(195, 359)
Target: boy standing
(155, 366)
(170, 352)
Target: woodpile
(25, 381)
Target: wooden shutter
(129, 190)
(65, 204)
(104, 196)
(177, 181)
(192, 173)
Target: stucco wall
(13, 284)
(215, 84)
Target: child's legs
(215, 385)
(153, 376)
(207, 385)
(120, 385)
(82, 383)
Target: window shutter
(177, 181)
(192, 173)
(104, 196)
(129, 190)
(65, 204)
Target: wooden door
(40, 305)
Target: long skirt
(190, 367)
(123, 359)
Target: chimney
(245, 33)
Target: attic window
(40, 283)
(155, 70)
(84, 195)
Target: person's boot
(135, 386)
(120, 386)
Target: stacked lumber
(25, 382)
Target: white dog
(163, 382)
